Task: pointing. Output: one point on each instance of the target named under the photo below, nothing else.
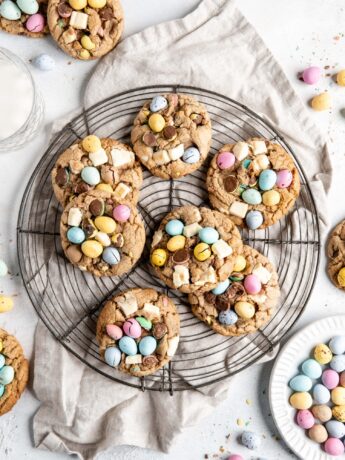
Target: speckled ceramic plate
(286, 366)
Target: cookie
(102, 235)
(86, 29)
(255, 182)
(14, 17)
(195, 248)
(14, 371)
(101, 164)
(172, 135)
(138, 331)
(336, 255)
(244, 302)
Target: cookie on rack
(195, 248)
(255, 182)
(336, 255)
(24, 17)
(172, 135)
(14, 371)
(86, 29)
(245, 301)
(138, 331)
(101, 164)
(102, 235)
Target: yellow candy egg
(91, 143)
(338, 396)
(156, 122)
(341, 78)
(78, 4)
(105, 188)
(158, 257)
(245, 310)
(240, 264)
(1, 346)
(271, 198)
(321, 102)
(97, 3)
(339, 413)
(301, 400)
(176, 242)
(84, 54)
(202, 252)
(6, 303)
(323, 354)
(341, 277)
(87, 43)
(92, 249)
(105, 224)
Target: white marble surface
(299, 33)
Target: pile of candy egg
(6, 372)
(13, 11)
(319, 396)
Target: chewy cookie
(172, 135)
(101, 234)
(195, 248)
(24, 17)
(243, 302)
(255, 182)
(336, 254)
(138, 331)
(86, 29)
(103, 164)
(14, 371)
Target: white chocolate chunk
(221, 249)
(176, 152)
(191, 230)
(103, 238)
(69, 36)
(128, 304)
(74, 217)
(260, 299)
(98, 158)
(262, 273)
(261, 162)
(76, 166)
(238, 209)
(172, 345)
(121, 191)
(180, 276)
(241, 150)
(78, 20)
(208, 276)
(157, 237)
(161, 157)
(151, 309)
(136, 359)
(121, 157)
(259, 147)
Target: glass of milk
(21, 105)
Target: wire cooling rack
(68, 300)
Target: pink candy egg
(342, 379)
(311, 75)
(334, 446)
(235, 457)
(132, 328)
(330, 378)
(252, 284)
(121, 213)
(284, 178)
(305, 419)
(225, 160)
(35, 23)
(115, 332)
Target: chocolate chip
(149, 139)
(64, 10)
(150, 361)
(106, 14)
(169, 132)
(235, 290)
(230, 183)
(159, 330)
(97, 207)
(88, 227)
(210, 298)
(180, 257)
(223, 302)
(62, 177)
(118, 240)
(81, 187)
(197, 118)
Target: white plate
(286, 366)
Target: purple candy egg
(132, 328)
(311, 75)
(35, 23)
(252, 284)
(305, 419)
(330, 378)
(225, 160)
(121, 213)
(115, 332)
(284, 178)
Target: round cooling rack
(68, 300)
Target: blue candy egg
(191, 155)
(158, 103)
(44, 62)
(91, 175)
(246, 163)
(3, 268)
(174, 227)
(321, 394)
(251, 196)
(254, 219)
(221, 287)
(6, 375)
(300, 383)
(311, 369)
(337, 344)
(209, 235)
(251, 440)
(227, 317)
(2, 390)
(112, 356)
(2, 361)
(267, 179)
(128, 346)
(9, 10)
(28, 6)
(111, 256)
(75, 235)
(147, 345)
(338, 363)
(335, 429)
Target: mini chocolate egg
(202, 252)
(321, 102)
(9, 10)
(240, 264)
(338, 396)
(251, 440)
(112, 356)
(284, 178)
(114, 331)
(191, 155)
(128, 345)
(132, 328)
(147, 345)
(300, 383)
(335, 429)
(251, 196)
(6, 303)
(341, 78)
(311, 75)
(144, 323)
(227, 317)
(334, 446)
(3, 268)
(176, 242)
(158, 103)
(158, 257)
(156, 122)
(342, 379)
(91, 175)
(105, 224)
(92, 249)
(252, 284)
(322, 354)
(6, 375)
(174, 227)
(245, 310)
(2, 361)
(330, 378)
(2, 390)
(318, 433)
(337, 344)
(267, 179)
(311, 368)
(321, 394)
(91, 143)
(322, 412)
(111, 256)
(235, 457)
(338, 413)
(254, 219)
(301, 400)
(341, 277)
(75, 235)
(338, 363)
(44, 62)
(305, 419)
(221, 287)
(208, 235)
(121, 213)
(28, 6)
(271, 198)
(225, 160)
(35, 23)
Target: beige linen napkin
(214, 48)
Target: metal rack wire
(69, 300)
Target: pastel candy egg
(235, 457)
(121, 213)
(144, 323)
(1, 345)
(305, 419)
(321, 394)
(90, 175)
(6, 375)
(147, 345)
(158, 257)
(338, 413)
(44, 62)
(338, 396)
(334, 446)
(338, 363)
(132, 328)
(341, 277)
(176, 242)
(284, 178)
(105, 224)
(112, 356)
(251, 440)
(322, 412)
(191, 155)
(321, 102)
(221, 287)
(158, 103)
(335, 429)
(6, 303)
(254, 219)
(227, 317)
(301, 400)
(156, 122)
(341, 78)
(2, 361)
(105, 188)
(9, 10)
(330, 378)
(226, 160)
(208, 235)
(271, 198)
(342, 379)
(311, 75)
(3, 268)
(202, 252)
(97, 3)
(78, 4)
(92, 249)
(240, 264)
(251, 196)
(111, 256)
(28, 6)
(312, 368)
(267, 179)
(35, 23)
(86, 41)
(245, 310)
(337, 344)
(114, 331)
(91, 143)
(128, 346)
(322, 354)
(300, 383)
(174, 227)
(2, 390)
(318, 433)
(252, 284)
(75, 235)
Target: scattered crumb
(240, 422)
(248, 402)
